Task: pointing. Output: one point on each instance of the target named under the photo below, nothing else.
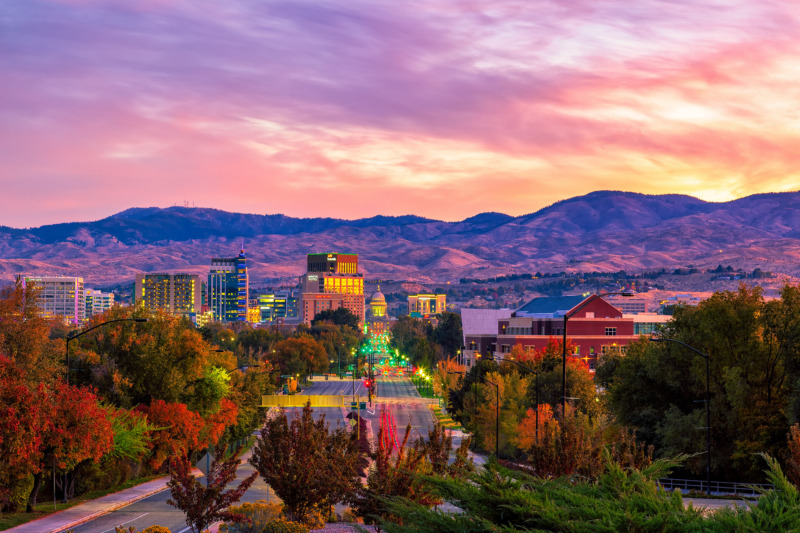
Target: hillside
(604, 230)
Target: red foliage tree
(21, 422)
(205, 504)
(74, 429)
(217, 422)
(177, 431)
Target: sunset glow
(443, 109)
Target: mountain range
(600, 231)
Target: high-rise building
(228, 288)
(177, 294)
(97, 302)
(331, 273)
(60, 297)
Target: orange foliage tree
(446, 376)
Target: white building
(98, 302)
(60, 297)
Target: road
(154, 510)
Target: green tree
(338, 317)
(660, 389)
(448, 333)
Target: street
(405, 406)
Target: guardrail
(717, 487)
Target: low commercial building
(594, 327)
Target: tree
(163, 359)
(306, 463)
(177, 431)
(76, 430)
(448, 333)
(400, 467)
(660, 388)
(22, 419)
(24, 334)
(445, 378)
(207, 503)
(339, 317)
(300, 356)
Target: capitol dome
(377, 303)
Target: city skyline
(437, 109)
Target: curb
(110, 509)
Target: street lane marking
(123, 523)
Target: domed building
(377, 320)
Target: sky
(354, 108)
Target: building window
(611, 331)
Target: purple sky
(352, 108)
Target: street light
(535, 373)
(567, 315)
(708, 404)
(497, 417)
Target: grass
(9, 520)
(444, 419)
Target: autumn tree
(205, 503)
(22, 420)
(165, 359)
(24, 334)
(76, 430)
(305, 462)
(300, 356)
(400, 466)
(446, 377)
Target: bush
(156, 529)
(260, 514)
(17, 495)
(284, 526)
(349, 516)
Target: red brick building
(594, 327)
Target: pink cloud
(442, 109)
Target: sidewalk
(77, 515)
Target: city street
(405, 405)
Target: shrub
(259, 514)
(349, 516)
(284, 526)
(156, 529)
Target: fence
(717, 487)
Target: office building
(177, 294)
(331, 274)
(228, 288)
(59, 297)
(97, 302)
(279, 304)
(426, 305)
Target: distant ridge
(603, 230)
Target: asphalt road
(155, 511)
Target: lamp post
(535, 373)
(66, 372)
(567, 315)
(497, 417)
(708, 404)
